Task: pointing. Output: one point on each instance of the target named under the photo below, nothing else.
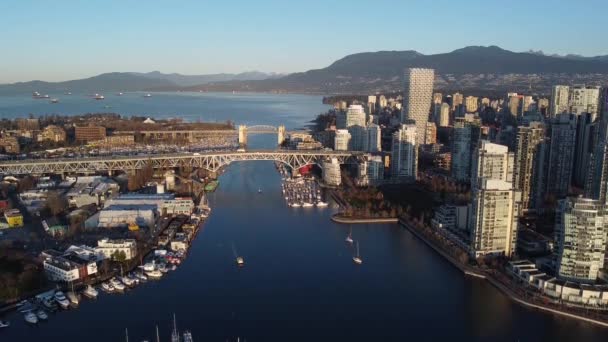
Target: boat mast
(127, 334)
(157, 336)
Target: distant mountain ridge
(190, 80)
(472, 68)
(128, 81)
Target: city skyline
(73, 42)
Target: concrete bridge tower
(281, 134)
(242, 135)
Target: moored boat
(90, 292)
(42, 315)
(30, 317)
(5, 324)
(154, 274)
(62, 300)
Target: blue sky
(60, 40)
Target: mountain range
(129, 81)
(479, 68)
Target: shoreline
(496, 284)
(338, 218)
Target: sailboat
(174, 333)
(349, 237)
(357, 258)
(240, 262)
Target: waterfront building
(491, 161)
(444, 115)
(417, 97)
(495, 203)
(109, 247)
(342, 140)
(580, 234)
(430, 136)
(331, 172)
(451, 217)
(404, 153)
(584, 99)
(372, 142)
(52, 133)
(529, 162)
(559, 100)
(67, 267)
(562, 140)
(471, 104)
(60, 269)
(585, 142)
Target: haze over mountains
(485, 69)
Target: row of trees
(19, 274)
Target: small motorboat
(107, 287)
(4, 324)
(117, 284)
(154, 274)
(240, 262)
(62, 300)
(141, 276)
(90, 292)
(42, 315)
(30, 317)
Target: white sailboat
(349, 237)
(174, 333)
(357, 258)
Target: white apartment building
(342, 140)
(404, 153)
(108, 247)
(559, 100)
(495, 204)
(580, 235)
(331, 172)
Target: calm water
(294, 111)
(299, 282)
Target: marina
(302, 192)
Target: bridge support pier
(242, 135)
(281, 135)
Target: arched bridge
(262, 129)
(244, 130)
(212, 161)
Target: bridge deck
(211, 161)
